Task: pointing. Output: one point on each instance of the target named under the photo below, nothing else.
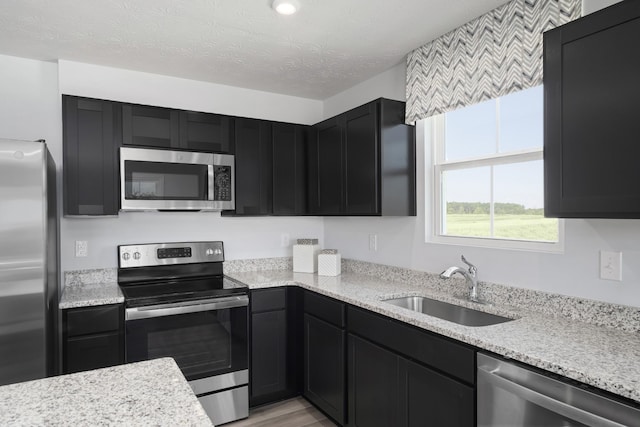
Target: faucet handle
(472, 268)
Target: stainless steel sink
(451, 312)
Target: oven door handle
(162, 310)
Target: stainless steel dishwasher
(510, 395)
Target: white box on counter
(329, 263)
(305, 256)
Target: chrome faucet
(471, 276)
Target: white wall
(388, 84)
(116, 84)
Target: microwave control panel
(222, 190)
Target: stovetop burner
(144, 294)
(151, 274)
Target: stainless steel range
(179, 304)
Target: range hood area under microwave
(154, 179)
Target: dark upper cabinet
(254, 167)
(93, 337)
(150, 126)
(289, 171)
(324, 355)
(206, 132)
(362, 162)
(591, 95)
(91, 142)
(158, 127)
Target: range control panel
(152, 254)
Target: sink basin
(451, 312)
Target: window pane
(471, 131)
(466, 195)
(521, 120)
(519, 203)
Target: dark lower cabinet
(386, 389)
(90, 150)
(275, 345)
(92, 337)
(430, 398)
(406, 377)
(324, 380)
(325, 354)
(373, 395)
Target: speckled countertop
(137, 394)
(84, 288)
(603, 357)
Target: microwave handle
(211, 180)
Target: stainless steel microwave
(153, 179)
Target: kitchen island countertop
(152, 392)
(606, 358)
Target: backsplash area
(600, 313)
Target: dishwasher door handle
(544, 401)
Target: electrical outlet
(373, 242)
(611, 265)
(82, 248)
(284, 240)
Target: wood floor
(295, 412)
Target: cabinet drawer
(268, 299)
(447, 356)
(93, 320)
(325, 308)
(93, 352)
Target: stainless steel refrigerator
(28, 261)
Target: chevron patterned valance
(496, 54)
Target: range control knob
(218, 251)
(136, 255)
(209, 252)
(126, 256)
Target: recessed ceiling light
(286, 7)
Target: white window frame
(436, 162)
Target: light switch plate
(611, 265)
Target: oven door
(206, 338)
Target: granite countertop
(85, 295)
(600, 356)
(153, 392)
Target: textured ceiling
(329, 46)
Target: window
(488, 175)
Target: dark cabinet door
(373, 385)
(430, 398)
(324, 353)
(362, 160)
(269, 354)
(150, 126)
(254, 159)
(92, 337)
(92, 352)
(289, 174)
(90, 156)
(326, 180)
(206, 132)
(591, 130)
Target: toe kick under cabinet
(92, 337)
